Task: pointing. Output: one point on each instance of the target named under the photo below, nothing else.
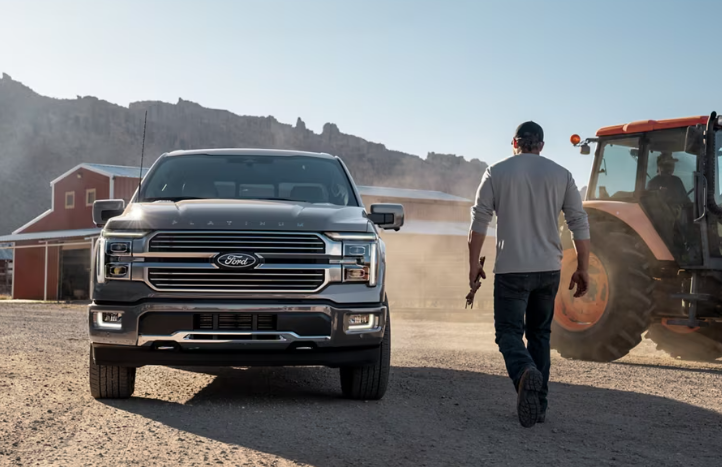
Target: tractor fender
(633, 216)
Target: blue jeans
(525, 302)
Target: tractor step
(695, 323)
(699, 297)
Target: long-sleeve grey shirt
(527, 192)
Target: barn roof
(118, 170)
(53, 235)
(105, 169)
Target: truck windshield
(289, 178)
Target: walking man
(527, 192)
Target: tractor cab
(655, 216)
(662, 167)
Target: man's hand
(581, 280)
(476, 272)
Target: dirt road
(449, 404)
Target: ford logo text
(236, 261)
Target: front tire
(609, 322)
(110, 382)
(369, 382)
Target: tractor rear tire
(628, 304)
(704, 345)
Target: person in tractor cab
(669, 185)
(675, 205)
(527, 192)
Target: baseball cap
(529, 129)
(666, 157)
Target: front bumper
(242, 333)
(132, 356)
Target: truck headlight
(114, 247)
(113, 259)
(366, 267)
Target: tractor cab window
(670, 170)
(668, 197)
(617, 170)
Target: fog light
(357, 274)
(358, 319)
(360, 322)
(109, 319)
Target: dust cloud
(427, 277)
(427, 282)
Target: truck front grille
(259, 280)
(246, 242)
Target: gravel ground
(449, 403)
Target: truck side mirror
(105, 209)
(387, 216)
(694, 140)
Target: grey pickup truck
(240, 257)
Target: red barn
(52, 251)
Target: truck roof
(248, 152)
(650, 125)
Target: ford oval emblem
(236, 261)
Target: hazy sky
(446, 76)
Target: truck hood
(241, 215)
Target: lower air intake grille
(266, 322)
(234, 322)
(204, 321)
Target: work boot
(543, 414)
(528, 403)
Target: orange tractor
(655, 215)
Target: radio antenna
(142, 153)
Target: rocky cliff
(41, 137)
